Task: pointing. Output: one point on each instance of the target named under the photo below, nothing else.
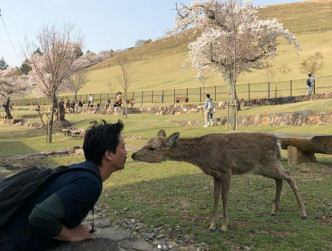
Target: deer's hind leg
(217, 191)
(276, 203)
(292, 183)
(279, 173)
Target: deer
(130, 101)
(221, 156)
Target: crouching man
(55, 214)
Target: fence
(218, 93)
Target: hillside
(158, 65)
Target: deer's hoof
(273, 214)
(221, 231)
(304, 217)
(211, 230)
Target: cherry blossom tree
(54, 64)
(232, 39)
(13, 84)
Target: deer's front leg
(225, 183)
(217, 190)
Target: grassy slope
(157, 65)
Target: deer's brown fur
(220, 156)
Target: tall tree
(232, 39)
(76, 81)
(3, 64)
(54, 63)
(25, 68)
(124, 77)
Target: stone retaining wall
(299, 118)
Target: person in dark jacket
(55, 214)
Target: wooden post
(152, 96)
(227, 123)
(249, 93)
(174, 96)
(268, 90)
(200, 94)
(215, 93)
(291, 88)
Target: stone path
(108, 237)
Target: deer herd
(220, 156)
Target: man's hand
(75, 234)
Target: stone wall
(299, 118)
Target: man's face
(119, 158)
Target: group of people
(72, 105)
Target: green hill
(158, 65)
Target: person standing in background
(90, 99)
(208, 107)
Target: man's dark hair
(309, 75)
(208, 95)
(99, 138)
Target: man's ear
(161, 133)
(108, 155)
(172, 139)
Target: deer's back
(240, 152)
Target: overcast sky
(105, 24)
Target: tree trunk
(7, 109)
(232, 97)
(50, 123)
(126, 105)
(61, 112)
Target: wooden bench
(66, 131)
(178, 99)
(301, 148)
(76, 133)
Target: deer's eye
(151, 148)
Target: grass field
(178, 198)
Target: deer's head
(156, 149)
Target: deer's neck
(188, 150)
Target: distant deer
(131, 101)
(220, 156)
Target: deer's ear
(172, 139)
(161, 133)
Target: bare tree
(124, 77)
(76, 81)
(312, 64)
(232, 40)
(55, 64)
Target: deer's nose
(133, 155)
